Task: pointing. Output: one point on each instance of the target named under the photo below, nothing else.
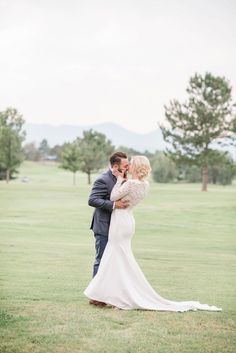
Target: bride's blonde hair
(141, 166)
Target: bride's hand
(117, 173)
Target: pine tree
(195, 124)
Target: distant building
(50, 158)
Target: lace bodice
(133, 190)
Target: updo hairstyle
(141, 166)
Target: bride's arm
(119, 190)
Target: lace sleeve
(119, 190)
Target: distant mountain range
(117, 134)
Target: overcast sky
(92, 61)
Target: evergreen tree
(194, 125)
(44, 148)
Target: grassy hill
(184, 242)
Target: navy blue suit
(100, 199)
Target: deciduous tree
(11, 138)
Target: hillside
(118, 135)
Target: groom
(100, 199)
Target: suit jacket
(100, 199)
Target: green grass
(184, 242)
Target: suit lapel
(113, 178)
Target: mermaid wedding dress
(119, 281)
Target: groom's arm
(98, 196)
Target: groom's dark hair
(116, 157)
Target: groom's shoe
(97, 303)
(92, 302)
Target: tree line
(71, 156)
(191, 127)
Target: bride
(119, 281)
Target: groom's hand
(121, 204)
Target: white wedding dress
(119, 280)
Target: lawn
(184, 242)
